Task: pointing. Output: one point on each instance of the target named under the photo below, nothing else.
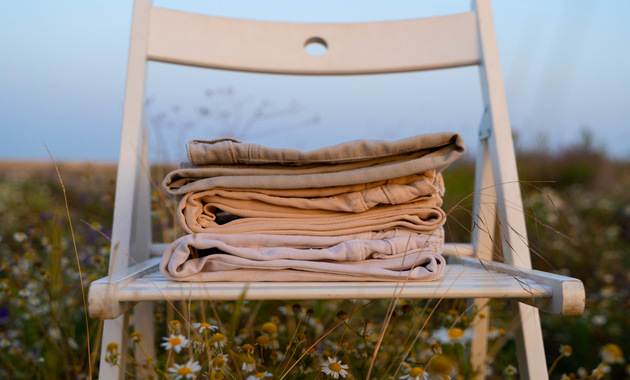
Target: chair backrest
(464, 39)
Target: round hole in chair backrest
(315, 46)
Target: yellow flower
(566, 350)
(270, 328)
(416, 373)
(611, 354)
(441, 365)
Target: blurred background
(63, 68)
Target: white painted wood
(352, 48)
(530, 348)
(472, 279)
(483, 231)
(130, 212)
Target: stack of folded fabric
(365, 210)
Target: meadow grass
(579, 222)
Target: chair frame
(463, 39)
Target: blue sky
(62, 74)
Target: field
(578, 206)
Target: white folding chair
(456, 40)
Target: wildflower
(185, 371)
(599, 320)
(259, 375)
(73, 344)
(262, 341)
(441, 365)
(248, 348)
(5, 343)
(269, 328)
(112, 352)
(416, 373)
(334, 368)
(203, 326)
(249, 364)
(601, 371)
(218, 340)
(54, 333)
(611, 354)
(581, 372)
(19, 237)
(198, 343)
(135, 337)
(510, 370)
(493, 333)
(175, 342)
(566, 350)
(220, 361)
(454, 335)
(175, 326)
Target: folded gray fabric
(231, 164)
(371, 256)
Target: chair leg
(143, 323)
(114, 331)
(479, 344)
(530, 349)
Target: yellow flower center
(218, 362)
(184, 371)
(175, 341)
(416, 371)
(259, 375)
(455, 333)
(204, 324)
(269, 328)
(335, 367)
(218, 337)
(262, 341)
(441, 365)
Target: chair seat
(464, 277)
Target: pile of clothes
(365, 210)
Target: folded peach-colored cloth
(228, 163)
(222, 209)
(371, 256)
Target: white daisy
(175, 342)
(19, 237)
(454, 335)
(334, 368)
(203, 326)
(259, 375)
(416, 373)
(185, 371)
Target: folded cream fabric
(371, 256)
(231, 164)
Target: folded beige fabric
(200, 211)
(230, 164)
(372, 256)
